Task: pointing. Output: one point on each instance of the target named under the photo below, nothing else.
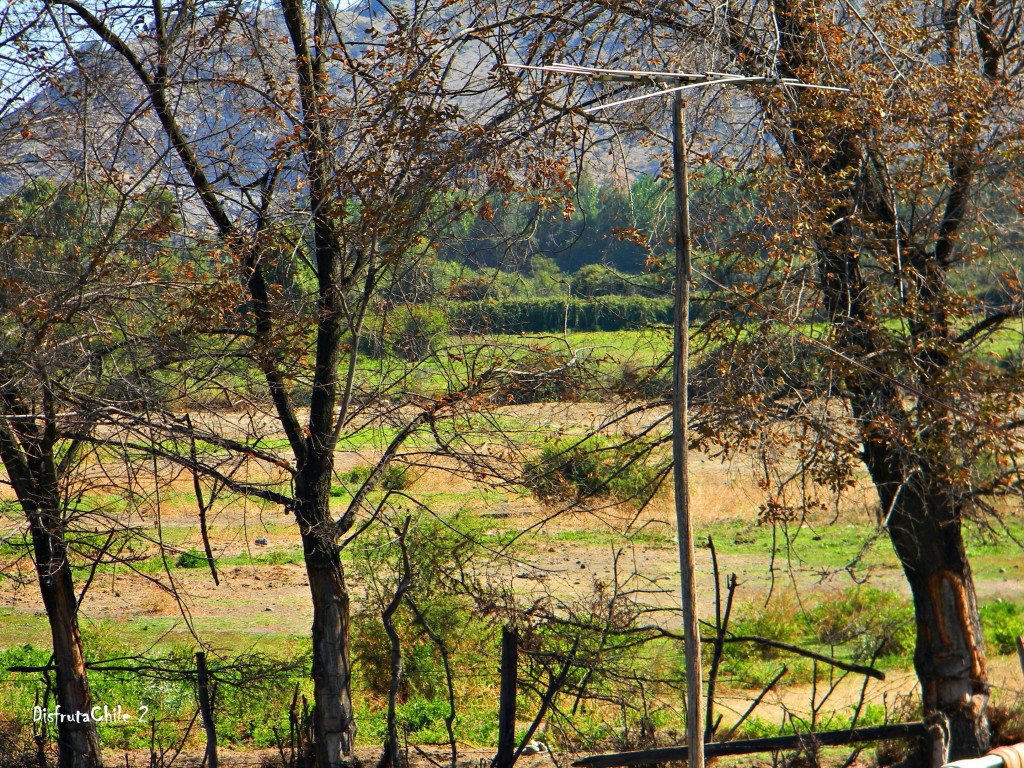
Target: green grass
(823, 548)
(643, 347)
(17, 627)
(599, 538)
(193, 558)
(870, 715)
(1002, 623)
(465, 357)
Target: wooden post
(507, 701)
(1020, 652)
(210, 759)
(680, 446)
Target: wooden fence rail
(750, 746)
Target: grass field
(829, 582)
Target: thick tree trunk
(28, 457)
(78, 743)
(924, 524)
(334, 725)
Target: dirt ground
(367, 757)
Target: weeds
(781, 619)
(190, 559)
(1002, 623)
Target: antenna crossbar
(681, 80)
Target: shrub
(781, 619)
(541, 378)
(874, 621)
(191, 559)
(419, 330)
(646, 383)
(424, 720)
(396, 477)
(407, 332)
(440, 552)
(1001, 623)
(594, 467)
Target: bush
(191, 559)
(1001, 623)
(424, 720)
(647, 383)
(396, 477)
(875, 622)
(594, 467)
(781, 619)
(440, 553)
(419, 330)
(541, 378)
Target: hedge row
(548, 315)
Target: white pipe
(986, 761)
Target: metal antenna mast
(679, 82)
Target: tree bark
(77, 741)
(28, 458)
(334, 725)
(924, 524)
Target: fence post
(210, 759)
(507, 700)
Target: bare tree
(881, 268)
(313, 150)
(80, 271)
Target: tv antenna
(674, 84)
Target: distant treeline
(610, 223)
(547, 315)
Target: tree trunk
(924, 523)
(28, 457)
(334, 725)
(78, 743)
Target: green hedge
(544, 315)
